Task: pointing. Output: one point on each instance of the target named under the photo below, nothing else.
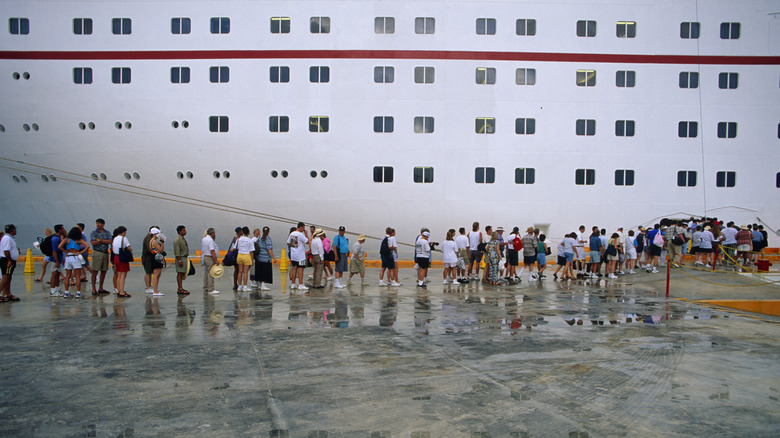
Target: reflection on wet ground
(541, 359)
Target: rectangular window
(728, 81)
(279, 124)
(686, 178)
(280, 74)
(319, 124)
(120, 75)
(586, 78)
(586, 28)
(585, 177)
(180, 75)
(384, 25)
(181, 25)
(689, 79)
(319, 74)
(525, 175)
(485, 175)
(486, 26)
(626, 29)
(624, 177)
(625, 78)
(729, 31)
(525, 126)
(525, 27)
(384, 74)
(688, 129)
(624, 128)
(319, 25)
(383, 174)
(485, 125)
(486, 75)
(218, 124)
(424, 75)
(280, 24)
(82, 26)
(586, 127)
(19, 26)
(121, 26)
(219, 74)
(727, 129)
(220, 25)
(726, 179)
(424, 25)
(525, 76)
(423, 175)
(777, 180)
(689, 30)
(82, 75)
(423, 125)
(383, 124)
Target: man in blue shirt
(340, 246)
(59, 259)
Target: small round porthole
(26, 75)
(16, 75)
(15, 178)
(324, 173)
(82, 126)
(35, 126)
(95, 176)
(103, 176)
(2, 128)
(313, 174)
(185, 124)
(127, 175)
(189, 174)
(216, 174)
(45, 178)
(226, 174)
(180, 174)
(52, 177)
(23, 178)
(128, 125)
(26, 127)
(274, 174)
(136, 175)
(284, 174)
(175, 124)
(118, 125)
(91, 125)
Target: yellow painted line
(764, 307)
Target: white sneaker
(395, 284)
(339, 286)
(655, 271)
(214, 292)
(707, 265)
(66, 294)
(78, 294)
(149, 291)
(254, 284)
(445, 282)
(622, 273)
(293, 286)
(455, 282)
(632, 271)
(382, 283)
(612, 276)
(157, 294)
(302, 287)
(116, 291)
(331, 277)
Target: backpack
(384, 248)
(517, 243)
(658, 239)
(46, 248)
(679, 239)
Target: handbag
(125, 255)
(231, 256)
(679, 239)
(611, 250)
(482, 247)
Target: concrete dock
(576, 359)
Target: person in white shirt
(317, 258)
(393, 244)
(462, 246)
(122, 268)
(449, 257)
(297, 242)
(209, 257)
(579, 250)
(244, 261)
(9, 254)
(475, 255)
(422, 256)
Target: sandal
(5, 299)
(124, 295)
(14, 298)
(94, 293)
(103, 292)
(183, 292)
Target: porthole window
(284, 174)
(127, 175)
(35, 126)
(91, 125)
(274, 174)
(2, 128)
(189, 174)
(128, 125)
(26, 127)
(16, 75)
(313, 174)
(103, 176)
(175, 124)
(45, 178)
(15, 178)
(23, 178)
(324, 174)
(136, 175)
(226, 174)
(185, 124)
(118, 125)
(180, 175)
(82, 126)
(216, 174)
(95, 176)
(26, 75)
(52, 177)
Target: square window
(525, 27)
(121, 26)
(219, 74)
(181, 26)
(318, 124)
(279, 124)
(220, 25)
(384, 25)
(319, 25)
(525, 126)
(384, 74)
(423, 175)
(585, 177)
(485, 175)
(383, 124)
(383, 174)
(585, 127)
(525, 175)
(424, 25)
(689, 79)
(689, 30)
(180, 75)
(120, 75)
(728, 81)
(625, 78)
(424, 75)
(423, 125)
(19, 26)
(486, 75)
(727, 130)
(525, 76)
(624, 128)
(280, 74)
(624, 177)
(82, 75)
(726, 179)
(82, 26)
(586, 28)
(777, 180)
(586, 78)
(218, 124)
(485, 125)
(686, 178)
(280, 24)
(729, 31)
(626, 29)
(486, 26)
(319, 74)
(688, 129)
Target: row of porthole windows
(183, 124)
(119, 125)
(23, 178)
(18, 76)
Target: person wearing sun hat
(357, 261)
(317, 257)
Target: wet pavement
(579, 359)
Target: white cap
(154, 230)
(426, 234)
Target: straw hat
(190, 269)
(216, 271)
(362, 237)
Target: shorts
(580, 250)
(423, 262)
(561, 260)
(388, 262)
(99, 261)
(244, 259)
(184, 265)
(299, 263)
(705, 250)
(511, 258)
(8, 266)
(451, 265)
(569, 256)
(613, 258)
(541, 259)
(757, 245)
(694, 249)
(121, 266)
(743, 247)
(475, 256)
(357, 266)
(49, 259)
(463, 254)
(655, 250)
(341, 263)
(631, 254)
(72, 262)
(148, 268)
(529, 260)
(595, 256)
